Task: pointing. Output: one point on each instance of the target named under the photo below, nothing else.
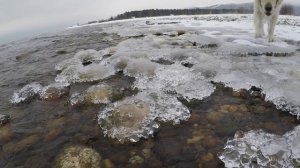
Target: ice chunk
(87, 56)
(260, 149)
(179, 79)
(80, 73)
(134, 117)
(26, 93)
(67, 63)
(140, 67)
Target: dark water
(38, 131)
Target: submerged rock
(125, 121)
(130, 115)
(78, 157)
(5, 134)
(4, 119)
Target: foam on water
(261, 149)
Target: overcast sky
(23, 18)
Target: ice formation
(97, 94)
(134, 117)
(198, 50)
(84, 67)
(260, 149)
(26, 93)
(54, 91)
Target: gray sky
(22, 18)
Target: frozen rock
(80, 73)
(54, 91)
(260, 149)
(86, 56)
(27, 93)
(134, 117)
(98, 94)
(140, 67)
(67, 63)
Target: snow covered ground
(179, 56)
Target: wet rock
(12, 148)
(37, 162)
(187, 64)
(107, 163)
(181, 32)
(9, 148)
(236, 94)
(52, 135)
(55, 123)
(22, 56)
(214, 116)
(208, 157)
(270, 126)
(60, 52)
(209, 46)
(54, 91)
(158, 34)
(5, 134)
(210, 141)
(136, 160)
(229, 108)
(194, 140)
(163, 61)
(147, 153)
(78, 157)
(4, 119)
(149, 23)
(27, 142)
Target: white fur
(260, 17)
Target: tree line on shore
(286, 10)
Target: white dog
(266, 11)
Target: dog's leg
(259, 25)
(271, 27)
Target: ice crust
(35, 89)
(27, 92)
(261, 149)
(216, 48)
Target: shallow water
(39, 130)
